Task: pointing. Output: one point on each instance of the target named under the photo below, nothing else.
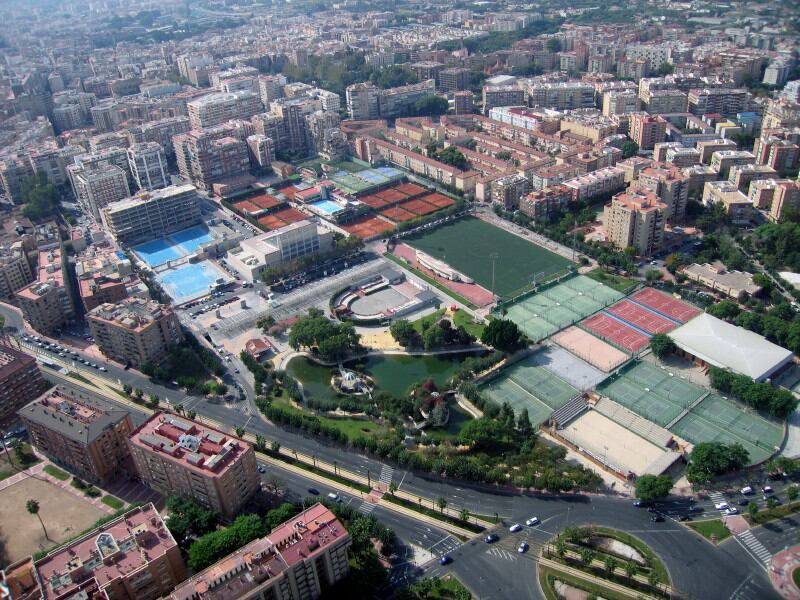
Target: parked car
(515, 527)
(491, 538)
(523, 547)
(532, 521)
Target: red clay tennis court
(398, 215)
(665, 304)
(438, 200)
(368, 228)
(608, 328)
(392, 196)
(418, 207)
(248, 208)
(373, 201)
(265, 201)
(410, 189)
(645, 319)
(282, 218)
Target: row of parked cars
(61, 351)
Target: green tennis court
(527, 385)
(469, 245)
(640, 399)
(665, 384)
(543, 314)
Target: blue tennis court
(190, 281)
(157, 252)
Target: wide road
(698, 569)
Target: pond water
(393, 373)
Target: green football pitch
(467, 245)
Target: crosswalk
(386, 475)
(717, 497)
(445, 545)
(502, 554)
(754, 547)
(366, 508)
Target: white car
(515, 527)
(721, 506)
(532, 521)
(523, 547)
(731, 511)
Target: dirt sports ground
(64, 515)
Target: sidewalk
(17, 477)
(780, 572)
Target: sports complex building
(592, 383)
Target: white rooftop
(730, 347)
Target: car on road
(532, 521)
(523, 547)
(262, 469)
(767, 489)
(746, 490)
(515, 527)
(657, 518)
(445, 559)
(721, 505)
(683, 518)
(732, 510)
(491, 538)
(313, 491)
(743, 502)
(334, 497)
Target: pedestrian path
(754, 547)
(366, 508)
(780, 572)
(17, 477)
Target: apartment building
(717, 277)
(47, 302)
(296, 561)
(659, 102)
(152, 215)
(454, 79)
(99, 185)
(738, 207)
(565, 95)
(682, 157)
(742, 175)
(133, 557)
(363, 101)
(779, 149)
(279, 248)
(79, 431)
(15, 270)
(635, 218)
(271, 87)
(20, 382)
(502, 95)
(723, 160)
(160, 132)
(134, 331)
(647, 130)
(103, 277)
(399, 101)
(672, 188)
(174, 455)
(507, 191)
(588, 124)
(708, 147)
(722, 101)
(542, 205)
(219, 107)
(781, 114)
(212, 156)
(620, 102)
(786, 197)
(148, 165)
(596, 183)
(463, 103)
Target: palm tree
(464, 515)
(631, 568)
(33, 508)
(392, 488)
(441, 503)
(561, 547)
(610, 563)
(587, 556)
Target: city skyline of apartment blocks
(133, 557)
(135, 331)
(20, 381)
(174, 455)
(80, 431)
(295, 561)
(219, 107)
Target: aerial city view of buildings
(399, 300)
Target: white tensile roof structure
(730, 347)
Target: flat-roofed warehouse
(710, 341)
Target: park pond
(393, 373)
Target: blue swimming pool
(327, 206)
(190, 281)
(175, 246)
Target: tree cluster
(653, 487)
(215, 545)
(777, 401)
(503, 335)
(188, 520)
(451, 156)
(435, 334)
(662, 345)
(332, 341)
(711, 459)
(41, 198)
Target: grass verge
(80, 378)
(796, 576)
(548, 577)
(772, 514)
(652, 559)
(434, 514)
(54, 471)
(430, 280)
(713, 527)
(617, 282)
(112, 501)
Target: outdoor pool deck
(173, 247)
